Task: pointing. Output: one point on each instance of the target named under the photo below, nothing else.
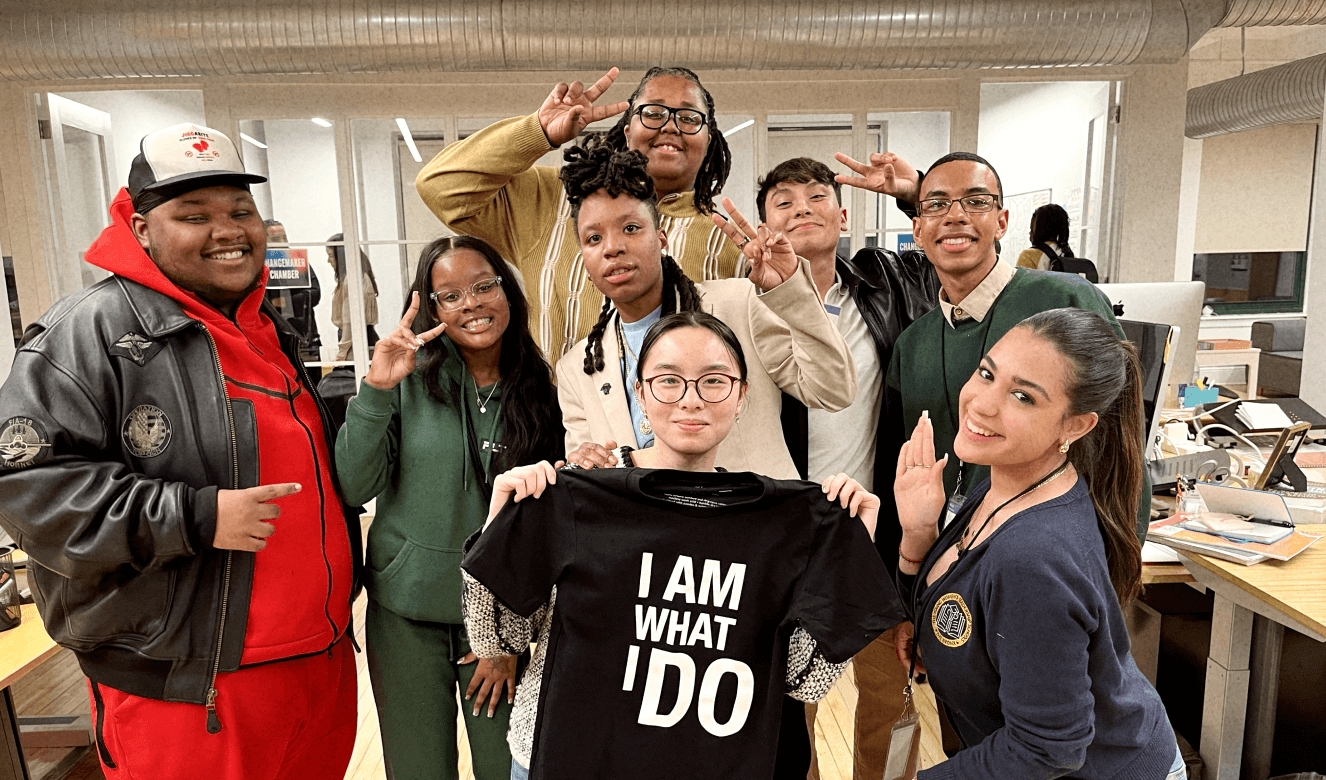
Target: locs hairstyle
(711, 177)
(598, 165)
(531, 418)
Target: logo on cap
(201, 146)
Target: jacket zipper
(322, 505)
(213, 722)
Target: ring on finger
(743, 244)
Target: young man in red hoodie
(165, 462)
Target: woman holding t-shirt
(691, 382)
(1016, 602)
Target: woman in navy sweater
(1016, 601)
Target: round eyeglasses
(483, 291)
(656, 115)
(972, 204)
(711, 388)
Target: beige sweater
(488, 186)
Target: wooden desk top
(1294, 588)
(23, 648)
(1161, 573)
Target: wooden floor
(58, 687)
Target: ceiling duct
(1293, 92)
(76, 39)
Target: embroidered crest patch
(22, 441)
(146, 431)
(139, 349)
(951, 620)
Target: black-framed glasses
(671, 388)
(656, 115)
(483, 291)
(972, 204)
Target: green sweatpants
(416, 674)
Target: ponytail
(1105, 379)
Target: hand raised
(570, 108)
(240, 515)
(853, 497)
(886, 173)
(918, 482)
(771, 257)
(393, 356)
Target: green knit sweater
(932, 361)
(409, 451)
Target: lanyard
(955, 502)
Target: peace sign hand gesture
(570, 108)
(771, 257)
(393, 356)
(918, 485)
(887, 173)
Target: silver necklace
(483, 403)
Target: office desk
(21, 650)
(1253, 604)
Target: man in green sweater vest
(957, 216)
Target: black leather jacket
(121, 562)
(891, 291)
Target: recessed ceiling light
(409, 139)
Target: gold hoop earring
(1064, 448)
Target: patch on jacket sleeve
(146, 431)
(951, 620)
(22, 442)
(139, 349)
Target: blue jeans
(1176, 772)
(519, 772)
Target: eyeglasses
(671, 388)
(972, 204)
(483, 291)
(655, 115)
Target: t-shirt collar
(978, 302)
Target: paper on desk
(1158, 553)
(1168, 530)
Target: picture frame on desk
(1280, 465)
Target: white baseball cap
(181, 159)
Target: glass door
(76, 138)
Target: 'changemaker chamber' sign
(289, 269)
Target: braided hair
(597, 165)
(711, 177)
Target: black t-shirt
(677, 593)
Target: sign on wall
(1020, 208)
(288, 269)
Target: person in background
(457, 394)
(1018, 601)
(871, 299)
(692, 380)
(296, 304)
(169, 471)
(1049, 238)
(487, 185)
(340, 313)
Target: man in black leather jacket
(871, 297)
(167, 466)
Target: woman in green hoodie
(434, 421)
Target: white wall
(135, 113)
(1035, 134)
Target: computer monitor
(1155, 350)
(1169, 303)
